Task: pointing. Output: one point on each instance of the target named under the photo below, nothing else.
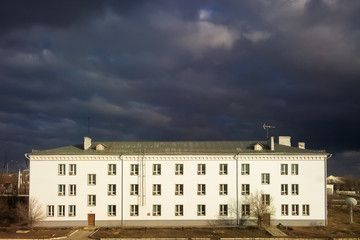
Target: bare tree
(30, 213)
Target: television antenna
(266, 127)
(351, 202)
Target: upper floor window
(201, 210)
(284, 189)
(156, 189)
(61, 169)
(295, 189)
(179, 189)
(50, 210)
(134, 210)
(61, 190)
(245, 210)
(112, 189)
(245, 189)
(245, 169)
(111, 210)
(72, 210)
(91, 179)
(306, 209)
(201, 170)
(294, 169)
(265, 178)
(223, 169)
(179, 210)
(156, 169)
(201, 190)
(72, 169)
(179, 169)
(265, 199)
(223, 210)
(91, 200)
(111, 169)
(134, 169)
(134, 189)
(223, 189)
(156, 210)
(72, 190)
(284, 169)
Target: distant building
(177, 183)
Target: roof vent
(258, 147)
(285, 140)
(87, 143)
(100, 147)
(301, 145)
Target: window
(295, 189)
(284, 169)
(265, 178)
(156, 189)
(201, 190)
(156, 210)
(223, 169)
(91, 200)
(72, 190)
(72, 210)
(112, 169)
(179, 169)
(61, 210)
(111, 210)
(72, 169)
(112, 189)
(61, 190)
(265, 199)
(284, 189)
(245, 169)
(91, 179)
(306, 210)
(179, 189)
(284, 209)
(156, 169)
(134, 170)
(134, 189)
(201, 211)
(179, 210)
(201, 169)
(61, 169)
(50, 210)
(295, 209)
(245, 210)
(223, 190)
(294, 169)
(223, 211)
(245, 189)
(134, 210)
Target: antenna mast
(266, 127)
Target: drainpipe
(122, 190)
(325, 175)
(237, 189)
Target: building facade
(178, 183)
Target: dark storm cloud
(180, 70)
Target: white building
(177, 183)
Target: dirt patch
(16, 233)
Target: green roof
(176, 148)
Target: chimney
(271, 143)
(285, 140)
(87, 143)
(301, 145)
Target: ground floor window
(50, 210)
(245, 210)
(61, 210)
(295, 209)
(134, 210)
(111, 210)
(201, 211)
(284, 209)
(306, 210)
(179, 210)
(72, 210)
(223, 211)
(156, 210)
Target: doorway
(91, 219)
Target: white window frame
(294, 189)
(223, 189)
(245, 169)
(111, 169)
(285, 210)
(134, 169)
(223, 169)
(306, 210)
(295, 209)
(265, 199)
(295, 169)
(134, 210)
(61, 190)
(134, 189)
(72, 169)
(245, 189)
(92, 179)
(92, 200)
(201, 169)
(179, 210)
(156, 189)
(265, 178)
(61, 211)
(72, 189)
(179, 169)
(156, 169)
(245, 210)
(50, 212)
(179, 189)
(223, 210)
(72, 210)
(112, 210)
(111, 189)
(201, 210)
(284, 169)
(61, 169)
(156, 210)
(201, 189)
(284, 189)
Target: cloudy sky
(180, 70)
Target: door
(266, 218)
(91, 219)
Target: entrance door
(266, 218)
(91, 219)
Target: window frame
(284, 210)
(134, 189)
(50, 211)
(111, 189)
(61, 210)
(157, 210)
(179, 210)
(245, 210)
(223, 210)
(284, 189)
(201, 169)
(223, 169)
(294, 189)
(179, 189)
(295, 209)
(284, 169)
(306, 210)
(134, 169)
(295, 169)
(72, 211)
(245, 189)
(112, 210)
(72, 169)
(265, 178)
(111, 169)
(134, 210)
(223, 189)
(91, 200)
(201, 189)
(72, 189)
(265, 199)
(156, 190)
(61, 169)
(245, 169)
(201, 210)
(179, 169)
(91, 179)
(157, 169)
(61, 189)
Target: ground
(16, 233)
